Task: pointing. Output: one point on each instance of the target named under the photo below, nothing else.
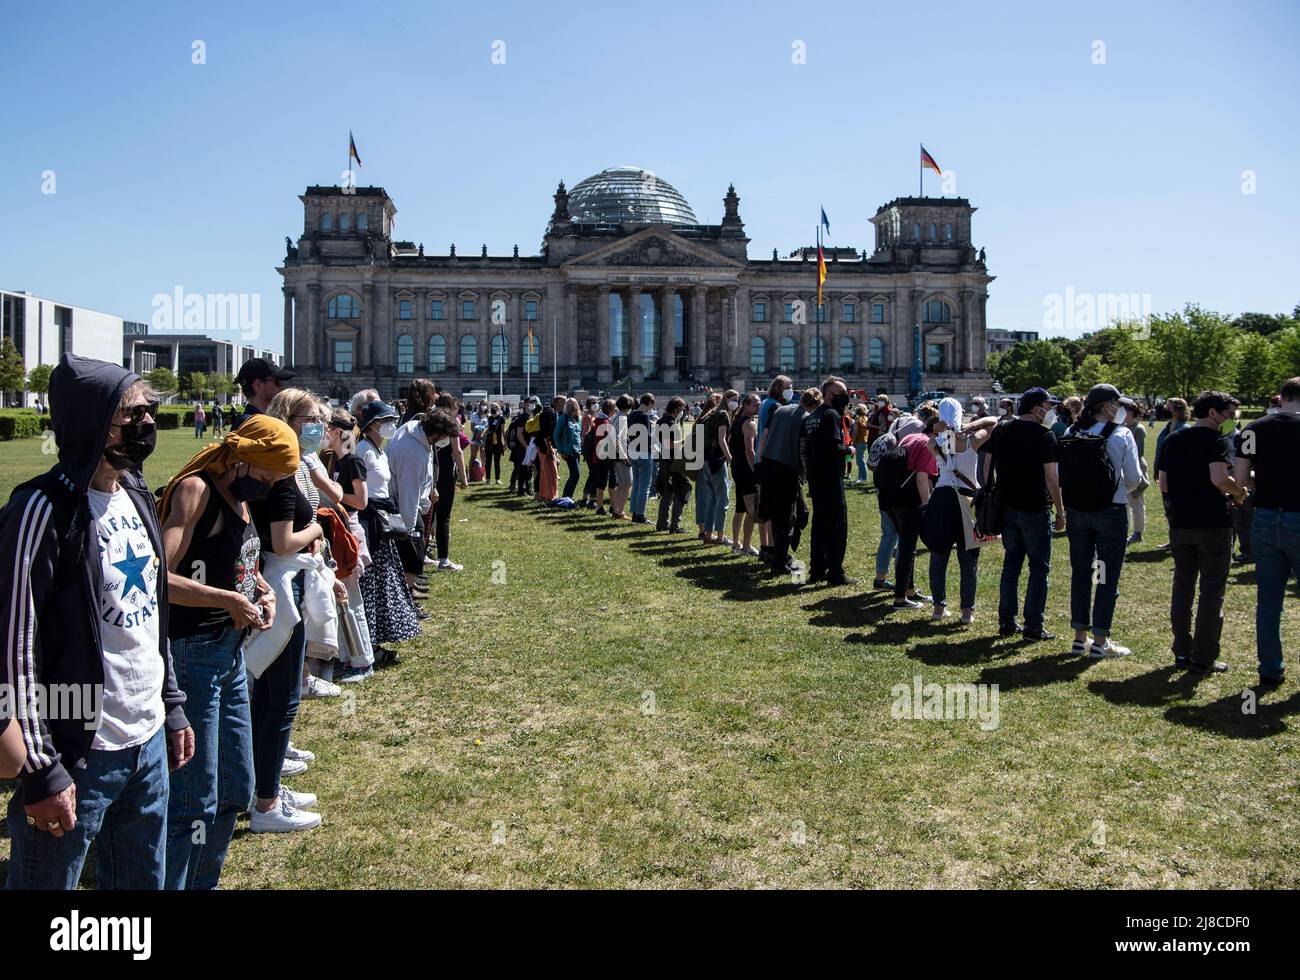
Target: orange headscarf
(260, 441)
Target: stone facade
(362, 310)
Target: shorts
(601, 474)
(622, 474)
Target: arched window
(437, 354)
(327, 221)
(344, 306)
(947, 233)
(846, 353)
(345, 221)
(498, 354)
(916, 231)
(788, 359)
(933, 232)
(405, 354)
(530, 350)
(817, 354)
(876, 354)
(468, 355)
(758, 356)
(362, 222)
(937, 311)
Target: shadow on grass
(1146, 556)
(1150, 690)
(955, 649)
(1228, 717)
(853, 609)
(1051, 669)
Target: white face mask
(1049, 419)
(388, 430)
(733, 405)
(787, 394)
(1120, 415)
(443, 443)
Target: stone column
(668, 337)
(727, 335)
(603, 372)
(979, 344)
(514, 330)
(833, 341)
(566, 335)
(699, 334)
(808, 330)
(287, 290)
(634, 337)
(962, 335)
(744, 330)
(311, 356)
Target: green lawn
(599, 705)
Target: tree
(162, 380)
(1194, 351)
(1263, 324)
(222, 385)
(196, 383)
(1091, 372)
(13, 372)
(1286, 357)
(1254, 380)
(38, 379)
(1036, 364)
(1073, 349)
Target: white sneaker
(282, 819)
(314, 687)
(447, 565)
(940, 612)
(1080, 648)
(751, 551)
(967, 616)
(299, 801)
(1107, 651)
(292, 767)
(299, 755)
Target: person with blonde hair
(712, 488)
(217, 596)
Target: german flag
(821, 271)
(928, 161)
(352, 150)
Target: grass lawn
(596, 704)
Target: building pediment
(653, 247)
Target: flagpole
(555, 359)
(920, 173)
(817, 317)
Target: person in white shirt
(413, 481)
(1098, 537)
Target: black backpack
(895, 483)
(1088, 477)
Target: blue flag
(826, 222)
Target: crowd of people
(291, 556)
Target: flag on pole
(530, 338)
(352, 150)
(928, 161)
(821, 270)
(826, 222)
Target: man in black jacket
(85, 633)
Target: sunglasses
(137, 413)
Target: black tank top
(736, 443)
(225, 560)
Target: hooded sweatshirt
(51, 580)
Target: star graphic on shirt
(133, 566)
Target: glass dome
(629, 195)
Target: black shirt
(226, 560)
(1020, 450)
(348, 469)
(823, 445)
(638, 433)
(1273, 446)
(1195, 502)
(285, 502)
(716, 422)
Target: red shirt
(919, 457)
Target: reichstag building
(630, 289)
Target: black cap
(372, 411)
(1034, 397)
(1099, 395)
(259, 369)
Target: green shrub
(21, 423)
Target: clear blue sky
(1115, 178)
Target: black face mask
(840, 402)
(247, 488)
(138, 441)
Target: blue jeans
(861, 451)
(571, 484)
(643, 478)
(121, 805)
(968, 561)
(1027, 534)
(888, 545)
(274, 704)
(1097, 542)
(217, 783)
(712, 494)
(1276, 541)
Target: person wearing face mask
(712, 493)
(568, 444)
(742, 439)
(823, 453)
(673, 481)
(1099, 469)
(1022, 457)
(1137, 507)
(413, 476)
(449, 474)
(356, 664)
(1196, 475)
(83, 560)
(390, 612)
(780, 392)
(217, 599)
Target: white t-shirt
(132, 708)
(966, 461)
(377, 472)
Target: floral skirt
(390, 612)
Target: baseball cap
(1099, 395)
(376, 410)
(259, 369)
(1034, 397)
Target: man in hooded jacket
(85, 633)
